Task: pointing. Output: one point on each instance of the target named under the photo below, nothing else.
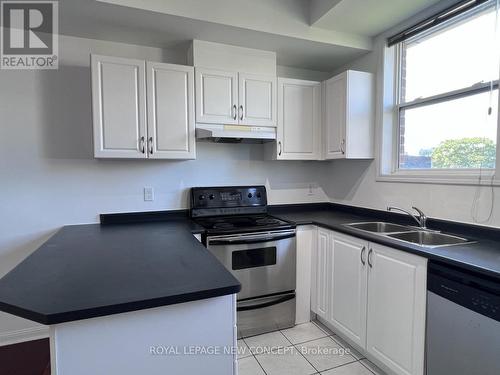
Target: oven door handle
(271, 302)
(249, 240)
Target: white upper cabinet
(396, 309)
(299, 120)
(348, 116)
(225, 97)
(349, 287)
(322, 121)
(135, 119)
(119, 107)
(216, 96)
(170, 100)
(334, 117)
(257, 100)
(234, 85)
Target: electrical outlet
(149, 194)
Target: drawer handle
(141, 145)
(363, 250)
(150, 145)
(276, 301)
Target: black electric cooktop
(242, 223)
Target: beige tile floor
(305, 349)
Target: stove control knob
(249, 195)
(211, 196)
(201, 197)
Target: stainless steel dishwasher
(463, 322)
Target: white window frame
(388, 136)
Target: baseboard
(22, 335)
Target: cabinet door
(323, 268)
(216, 96)
(349, 287)
(119, 107)
(360, 117)
(257, 99)
(335, 91)
(396, 309)
(299, 120)
(170, 93)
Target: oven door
(264, 263)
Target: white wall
(49, 177)
(298, 73)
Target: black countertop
(137, 261)
(85, 271)
(482, 256)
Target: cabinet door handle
(241, 115)
(233, 112)
(150, 143)
(279, 144)
(370, 258)
(342, 146)
(363, 250)
(141, 145)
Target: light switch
(149, 194)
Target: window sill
(450, 178)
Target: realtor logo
(29, 34)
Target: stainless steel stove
(259, 249)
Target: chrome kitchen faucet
(421, 219)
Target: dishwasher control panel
(468, 289)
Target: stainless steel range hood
(235, 133)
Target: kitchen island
(128, 299)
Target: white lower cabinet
(323, 272)
(396, 309)
(349, 287)
(374, 296)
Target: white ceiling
(338, 33)
(369, 17)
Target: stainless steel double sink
(414, 235)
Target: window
(447, 97)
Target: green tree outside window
(465, 153)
